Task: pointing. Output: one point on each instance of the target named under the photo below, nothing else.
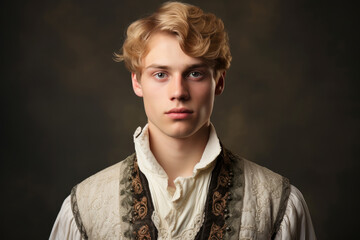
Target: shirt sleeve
(296, 223)
(65, 227)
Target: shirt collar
(148, 163)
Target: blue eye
(195, 75)
(160, 75)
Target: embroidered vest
(244, 201)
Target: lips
(179, 113)
(179, 110)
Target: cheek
(207, 92)
(205, 98)
(152, 99)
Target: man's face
(178, 90)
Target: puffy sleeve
(65, 226)
(296, 223)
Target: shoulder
(262, 173)
(264, 184)
(256, 173)
(264, 199)
(95, 201)
(109, 174)
(102, 183)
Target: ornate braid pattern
(219, 222)
(139, 204)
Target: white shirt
(173, 216)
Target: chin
(182, 132)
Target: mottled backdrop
(291, 101)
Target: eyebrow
(192, 66)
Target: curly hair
(201, 35)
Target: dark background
(291, 101)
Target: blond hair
(201, 35)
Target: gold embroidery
(140, 208)
(136, 184)
(143, 233)
(219, 203)
(223, 178)
(217, 232)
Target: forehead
(163, 49)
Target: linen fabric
(178, 213)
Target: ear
(136, 85)
(220, 84)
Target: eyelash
(156, 75)
(199, 74)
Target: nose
(178, 88)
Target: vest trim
(76, 213)
(283, 203)
(244, 201)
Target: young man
(181, 183)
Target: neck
(178, 156)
